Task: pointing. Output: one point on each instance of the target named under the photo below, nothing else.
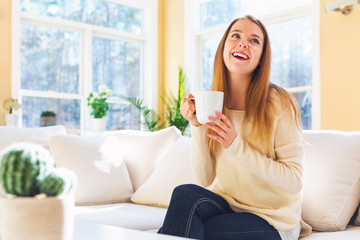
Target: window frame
(194, 37)
(148, 63)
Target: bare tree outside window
(52, 58)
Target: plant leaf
(151, 118)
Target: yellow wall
(5, 57)
(161, 53)
(339, 53)
(171, 46)
(340, 69)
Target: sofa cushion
(357, 219)
(99, 165)
(42, 141)
(142, 150)
(331, 178)
(127, 215)
(40, 135)
(173, 169)
(350, 233)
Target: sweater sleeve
(286, 172)
(202, 163)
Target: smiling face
(243, 48)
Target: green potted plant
(172, 104)
(172, 117)
(152, 120)
(40, 195)
(47, 118)
(99, 107)
(11, 105)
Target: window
(63, 50)
(290, 27)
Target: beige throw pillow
(142, 150)
(331, 179)
(173, 169)
(99, 165)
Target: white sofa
(125, 178)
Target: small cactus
(28, 169)
(52, 185)
(23, 167)
(59, 181)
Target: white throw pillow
(173, 169)
(11, 135)
(98, 162)
(331, 179)
(142, 150)
(42, 141)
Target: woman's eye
(236, 35)
(255, 41)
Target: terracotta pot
(30, 218)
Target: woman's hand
(226, 133)
(187, 109)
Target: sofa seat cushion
(350, 233)
(127, 215)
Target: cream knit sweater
(251, 180)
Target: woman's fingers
(182, 101)
(187, 109)
(224, 129)
(224, 119)
(216, 129)
(216, 138)
(186, 106)
(219, 123)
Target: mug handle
(193, 101)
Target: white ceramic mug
(206, 103)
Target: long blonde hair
(259, 106)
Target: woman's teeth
(240, 55)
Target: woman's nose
(243, 44)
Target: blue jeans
(195, 212)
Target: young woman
(251, 160)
